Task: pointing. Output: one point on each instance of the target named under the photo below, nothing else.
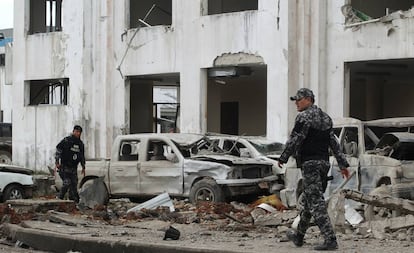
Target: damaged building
(6, 76)
(226, 66)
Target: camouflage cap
(302, 93)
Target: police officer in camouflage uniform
(309, 142)
(69, 153)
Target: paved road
(5, 247)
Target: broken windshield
(397, 145)
(268, 148)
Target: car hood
(229, 159)
(15, 169)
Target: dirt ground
(221, 227)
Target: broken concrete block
(336, 211)
(352, 216)
(362, 231)
(282, 229)
(379, 228)
(263, 218)
(267, 207)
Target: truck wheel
(13, 192)
(5, 157)
(206, 190)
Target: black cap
(302, 93)
(77, 127)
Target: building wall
(83, 53)
(195, 41)
(373, 41)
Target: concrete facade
(294, 43)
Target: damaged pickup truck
(378, 151)
(179, 164)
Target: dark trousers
(314, 172)
(70, 182)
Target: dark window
(45, 16)
(2, 59)
(350, 141)
(152, 12)
(49, 92)
(226, 6)
(129, 150)
(369, 9)
(5, 130)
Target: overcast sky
(6, 14)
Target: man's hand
(345, 173)
(83, 171)
(58, 165)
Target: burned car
(182, 165)
(257, 147)
(378, 151)
(15, 182)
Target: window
(152, 12)
(364, 10)
(226, 6)
(161, 151)
(129, 150)
(45, 16)
(48, 92)
(350, 141)
(5, 130)
(2, 59)
(233, 147)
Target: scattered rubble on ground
(264, 218)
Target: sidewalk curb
(54, 242)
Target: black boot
(327, 245)
(295, 237)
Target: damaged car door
(162, 168)
(348, 140)
(125, 168)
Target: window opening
(157, 151)
(129, 150)
(371, 10)
(166, 110)
(227, 6)
(45, 16)
(6, 130)
(2, 59)
(150, 12)
(350, 141)
(49, 92)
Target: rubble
(217, 223)
(403, 205)
(160, 200)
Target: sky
(6, 14)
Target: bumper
(237, 187)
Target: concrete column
(193, 100)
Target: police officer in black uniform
(309, 143)
(69, 153)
